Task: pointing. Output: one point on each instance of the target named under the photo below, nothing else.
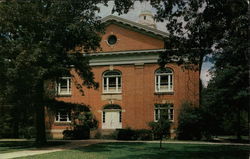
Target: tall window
(112, 82)
(165, 111)
(63, 116)
(164, 80)
(64, 86)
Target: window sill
(110, 93)
(62, 123)
(64, 95)
(164, 93)
(171, 121)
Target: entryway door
(111, 120)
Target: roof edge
(123, 21)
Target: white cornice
(124, 58)
(124, 52)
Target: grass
(150, 151)
(12, 146)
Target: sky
(133, 15)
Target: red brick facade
(138, 96)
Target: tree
(38, 41)
(161, 128)
(199, 27)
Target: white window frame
(58, 117)
(68, 91)
(170, 78)
(107, 77)
(164, 108)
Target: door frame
(112, 110)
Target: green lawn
(150, 151)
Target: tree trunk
(40, 117)
(40, 125)
(15, 126)
(238, 125)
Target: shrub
(27, 132)
(130, 134)
(143, 134)
(68, 134)
(125, 134)
(189, 123)
(79, 132)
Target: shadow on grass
(169, 151)
(10, 146)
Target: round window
(112, 40)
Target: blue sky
(133, 15)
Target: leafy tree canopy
(37, 43)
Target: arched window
(164, 80)
(64, 86)
(112, 82)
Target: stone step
(107, 131)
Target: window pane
(63, 115)
(164, 83)
(171, 114)
(112, 82)
(63, 83)
(119, 81)
(120, 118)
(164, 113)
(156, 114)
(105, 83)
(103, 117)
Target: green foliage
(37, 44)
(160, 129)
(137, 134)
(190, 123)
(82, 122)
(84, 118)
(5, 126)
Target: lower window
(63, 116)
(165, 111)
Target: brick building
(132, 89)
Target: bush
(189, 123)
(27, 132)
(143, 134)
(125, 134)
(68, 134)
(79, 132)
(130, 134)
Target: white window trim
(68, 92)
(169, 115)
(59, 117)
(106, 91)
(158, 82)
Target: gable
(129, 39)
